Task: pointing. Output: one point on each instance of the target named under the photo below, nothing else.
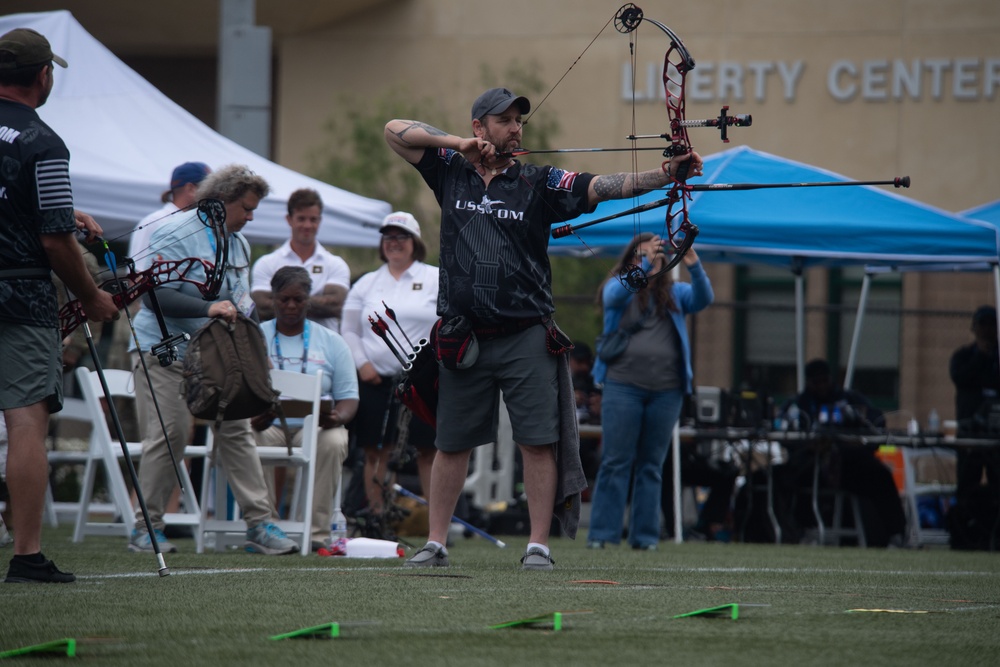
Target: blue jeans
(637, 426)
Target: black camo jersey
(35, 199)
(494, 263)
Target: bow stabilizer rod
(897, 182)
(566, 230)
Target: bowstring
(556, 85)
(633, 46)
(150, 250)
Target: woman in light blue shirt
(297, 344)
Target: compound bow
(135, 284)
(679, 232)
(125, 290)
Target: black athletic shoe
(46, 572)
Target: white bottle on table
(793, 417)
(933, 422)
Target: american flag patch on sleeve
(54, 191)
(560, 179)
(446, 154)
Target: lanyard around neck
(305, 346)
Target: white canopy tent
(125, 137)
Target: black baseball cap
(496, 101)
(23, 47)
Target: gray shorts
(30, 366)
(469, 400)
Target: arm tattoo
(622, 185)
(433, 131)
(610, 186)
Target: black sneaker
(45, 572)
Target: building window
(876, 368)
(765, 331)
(764, 344)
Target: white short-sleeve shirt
(324, 268)
(413, 299)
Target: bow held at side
(126, 289)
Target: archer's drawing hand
(87, 226)
(476, 150)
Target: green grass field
(794, 607)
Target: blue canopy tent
(797, 228)
(986, 216)
(987, 212)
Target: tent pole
(678, 510)
(996, 292)
(675, 452)
(858, 322)
(800, 325)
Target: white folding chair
(223, 529)
(74, 411)
(491, 477)
(106, 453)
(927, 471)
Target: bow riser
(138, 284)
(125, 290)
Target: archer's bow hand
(679, 168)
(99, 306)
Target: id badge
(242, 299)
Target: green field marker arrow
(556, 618)
(331, 630)
(733, 609)
(58, 646)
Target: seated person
(581, 360)
(825, 404)
(296, 344)
(850, 468)
(699, 469)
(583, 386)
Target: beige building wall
(819, 78)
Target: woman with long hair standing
(644, 389)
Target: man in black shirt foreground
(37, 227)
